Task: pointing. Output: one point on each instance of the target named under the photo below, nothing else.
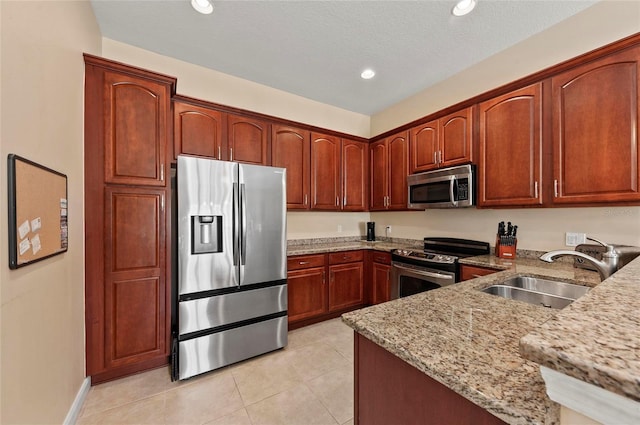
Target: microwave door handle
(452, 183)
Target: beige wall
(601, 24)
(42, 305)
(314, 224)
(213, 86)
(538, 229)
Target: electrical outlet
(339, 228)
(574, 239)
(387, 230)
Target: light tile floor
(308, 382)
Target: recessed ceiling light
(463, 7)
(203, 6)
(368, 74)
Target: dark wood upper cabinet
(456, 138)
(127, 295)
(389, 169)
(248, 140)
(135, 129)
(291, 149)
(355, 175)
(510, 148)
(424, 147)
(325, 172)
(198, 131)
(379, 175)
(595, 131)
(398, 146)
(443, 142)
(338, 173)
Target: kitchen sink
(538, 291)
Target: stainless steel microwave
(444, 188)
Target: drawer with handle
(345, 257)
(305, 261)
(381, 257)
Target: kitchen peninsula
(472, 343)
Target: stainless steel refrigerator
(230, 288)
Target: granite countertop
(597, 338)
(469, 340)
(319, 246)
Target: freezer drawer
(205, 313)
(213, 351)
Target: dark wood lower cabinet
(471, 272)
(388, 390)
(324, 286)
(307, 293)
(346, 286)
(128, 307)
(379, 277)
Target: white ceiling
(317, 49)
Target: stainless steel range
(415, 271)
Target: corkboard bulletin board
(38, 213)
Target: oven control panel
(427, 257)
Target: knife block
(505, 251)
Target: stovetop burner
(442, 251)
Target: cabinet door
(248, 140)
(325, 172)
(197, 131)
(424, 147)
(510, 163)
(380, 281)
(595, 131)
(398, 171)
(290, 149)
(471, 272)
(456, 138)
(346, 286)
(135, 129)
(307, 293)
(135, 291)
(379, 173)
(354, 175)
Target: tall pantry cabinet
(127, 290)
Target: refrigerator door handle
(236, 219)
(243, 224)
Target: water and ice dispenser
(206, 234)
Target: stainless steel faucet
(608, 266)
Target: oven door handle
(452, 183)
(424, 273)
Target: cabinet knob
(302, 263)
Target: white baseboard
(74, 411)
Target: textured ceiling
(317, 49)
